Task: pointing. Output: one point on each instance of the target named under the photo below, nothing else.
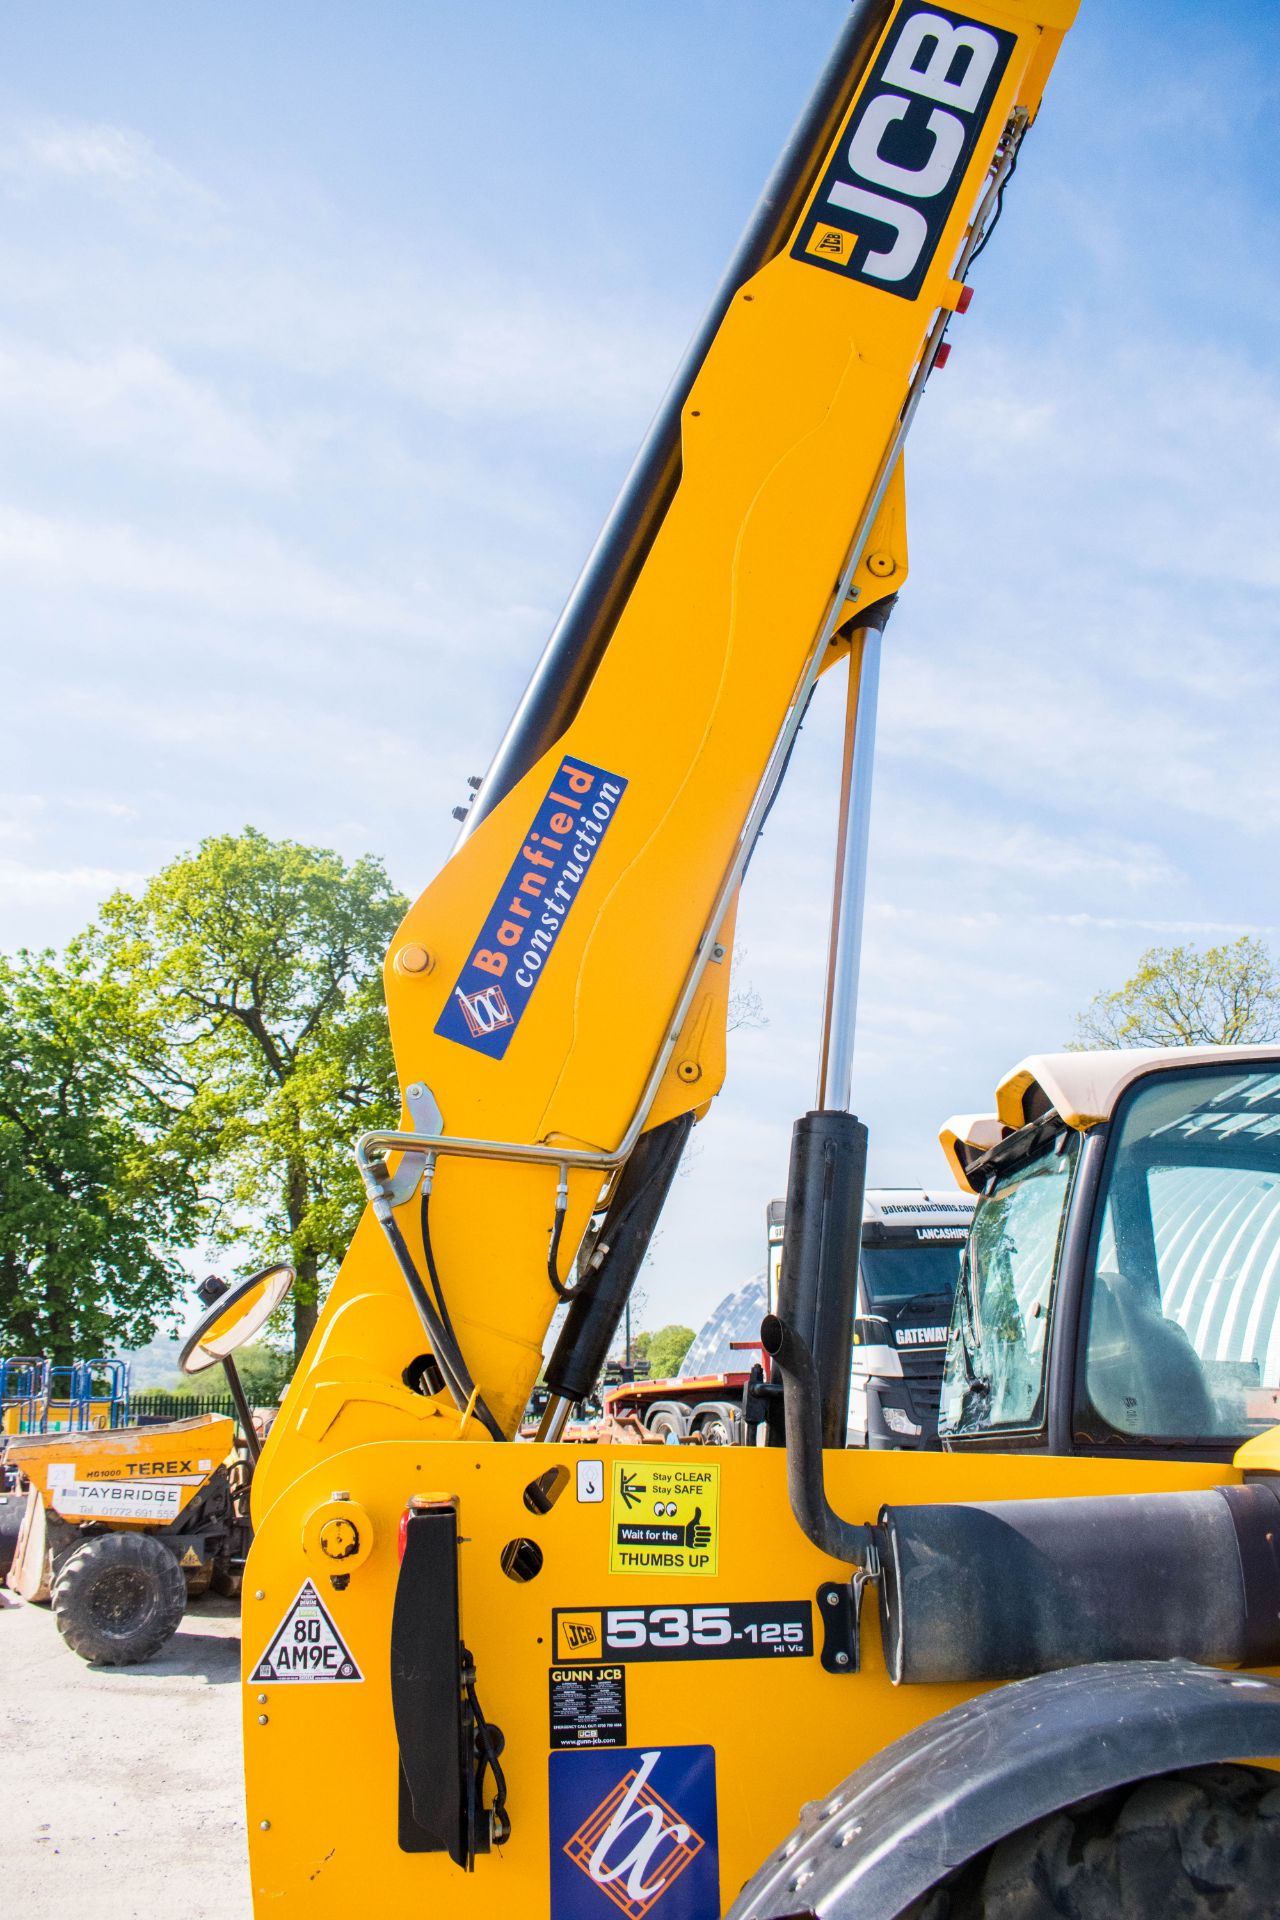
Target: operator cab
(1120, 1289)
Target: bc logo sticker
(664, 1519)
(514, 944)
(634, 1832)
(885, 198)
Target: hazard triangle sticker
(306, 1646)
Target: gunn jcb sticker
(885, 198)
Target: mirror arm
(247, 1427)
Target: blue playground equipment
(23, 1382)
(84, 1397)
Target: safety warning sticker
(739, 1630)
(664, 1519)
(588, 1707)
(307, 1646)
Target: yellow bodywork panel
(321, 1755)
(787, 440)
(128, 1476)
(542, 992)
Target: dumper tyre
(1199, 1845)
(119, 1598)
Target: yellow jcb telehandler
(570, 1683)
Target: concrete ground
(121, 1787)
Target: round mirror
(235, 1315)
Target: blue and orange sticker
(520, 931)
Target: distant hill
(156, 1364)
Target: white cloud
(133, 402)
(238, 574)
(117, 163)
(85, 886)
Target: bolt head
(413, 958)
(259, 1595)
(842, 1659)
(339, 1496)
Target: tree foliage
(265, 1370)
(94, 1196)
(252, 972)
(1182, 997)
(664, 1350)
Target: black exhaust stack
(817, 1288)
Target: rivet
(262, 1699)
(842, 1659)
(262, 1719)
(259, 1595)
(264, 1826)
(414, 959)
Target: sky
(327, 335)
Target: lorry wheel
(1187, 1846)
(719, 1425)
(118, 1598)
(668, 1420)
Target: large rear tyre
(719, 1424)
(118, 1598)
(1199, 1845)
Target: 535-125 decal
(741, 1630)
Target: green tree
(252, 970)
(664, 1350)
(93, 1195)
(1183, 997)
(264, 1368)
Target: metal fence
(150, 1407)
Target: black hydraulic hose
(443, 1344)
(561, 1291)
(433, 1274)
(802, 1398)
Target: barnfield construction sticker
(307, 1647)
(664, 1519)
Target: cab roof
(1080, 1088)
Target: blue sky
(326, 336)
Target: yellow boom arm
(557, 994)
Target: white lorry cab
(912, 1239)
(911, 1245)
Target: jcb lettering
(893, 182)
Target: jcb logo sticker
(885, 198)
(578, 1636)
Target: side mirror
(872, 1332)
(232, 1317)
(233, 1314)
